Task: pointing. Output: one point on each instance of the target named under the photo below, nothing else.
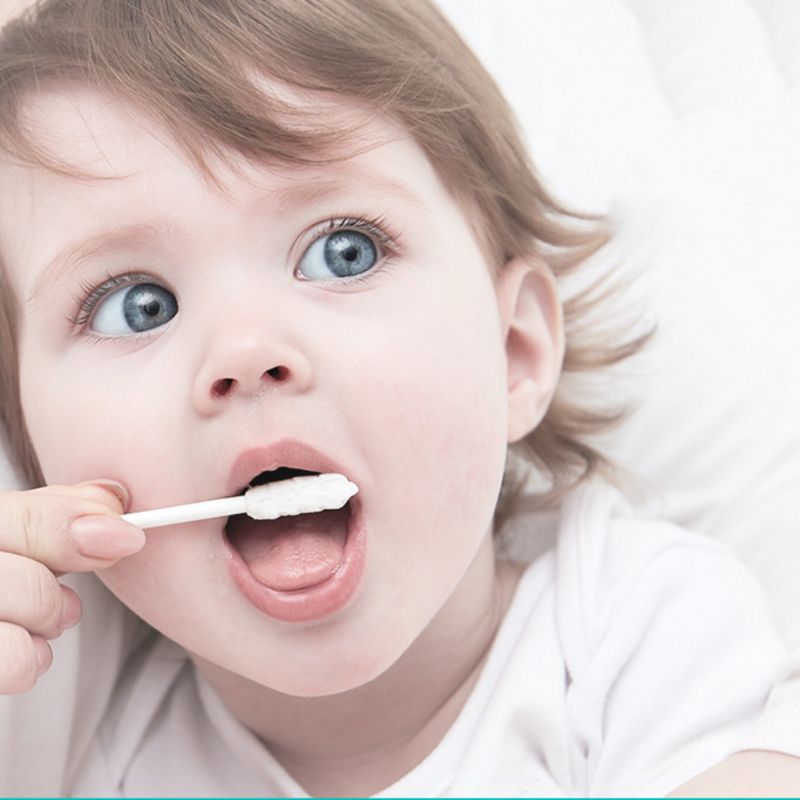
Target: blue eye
(135, 309)
(341, 254)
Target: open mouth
(292, 553)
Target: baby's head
(229, 228)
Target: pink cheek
(147, 575)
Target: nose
(246, 365)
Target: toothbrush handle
(191, 512)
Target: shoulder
(656, 642)
(638, 577)
(607, 546)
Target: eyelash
(90, 295)
(375, 227)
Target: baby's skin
(43, 534)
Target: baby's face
(227, 323)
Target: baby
(246, 240)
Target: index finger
(68, 528)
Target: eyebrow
(310, 191)
(125, 238)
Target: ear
(532, 324)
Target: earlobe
(532, 320)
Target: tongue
(291, 553)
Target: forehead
(111, 139)
(141, 171)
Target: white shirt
(633, 657)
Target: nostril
(221, 387)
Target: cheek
(87, 421)
(444, 402)
(435, 404)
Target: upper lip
(284, 453)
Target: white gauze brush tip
(305, 494)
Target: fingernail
(99, 536)
(44, 655)
(115, 488)
(70, 611)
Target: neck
(361, 741)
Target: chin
(323, 673)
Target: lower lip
(315, 602)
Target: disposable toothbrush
(303, 494)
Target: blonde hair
(194, 66)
